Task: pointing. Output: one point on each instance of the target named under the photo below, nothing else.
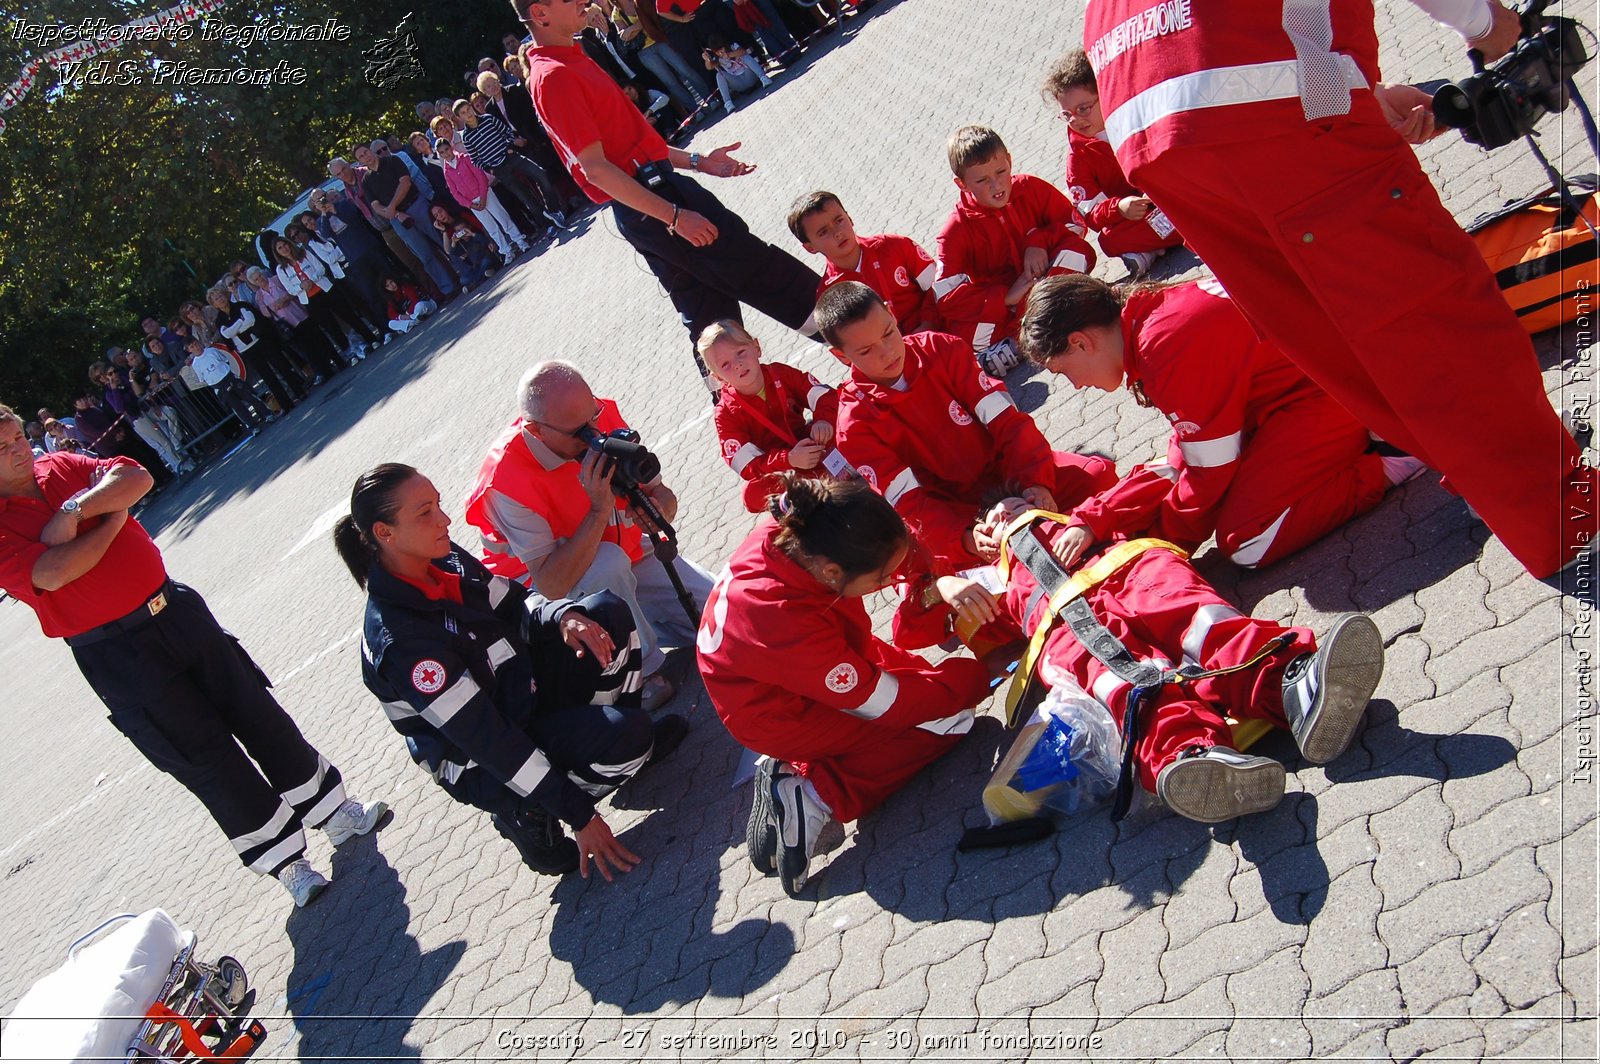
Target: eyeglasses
(578, 432)
(1067, 114)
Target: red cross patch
(428, 676)
(842, 678)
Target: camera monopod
(665, 542)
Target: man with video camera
(551, 509)
(1262, 129)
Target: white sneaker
(302, 882)
(800, 817)
(351, 819)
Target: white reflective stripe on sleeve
(900, 486)
(884, 692)
(956, 724)
(499, 588)
(398, 711)
(1252, 550)
(1209, 454)
(1107, 686)
(447, 705)
(1205, 618)
(529, 776)
(945, 285)
(1221, 87)
(815, 396)
(1161, 469)
(1088, 205)
(982, 335)
(499, 653)
(993, 405)
(1070, 260)
(929, 274)
(744, 456)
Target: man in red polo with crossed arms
(178, 686)
(1261, 128)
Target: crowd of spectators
(422, 217)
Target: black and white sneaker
(999, 359)
(537, 835)
(800, 819)
(761, 833)
(1325, 694)
(1212, 784)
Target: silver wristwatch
(73, 506)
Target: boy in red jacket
(1128, 223)
(931, 432)
(1005, 233)
(761, 413)
(893, 266)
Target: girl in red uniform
(761, 412)
(1259, 454)
(790, 662)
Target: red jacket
(935, 448)
(1095, 181)
(400, 304)
(980, 250)
(756, 432)
(1200, 363)
(779, 652)
(897, 269)
(1201, 53)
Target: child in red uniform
(790, 662)
(404, 304)
(1128, 223)
(761, 412)
(1259, 454)
(895, 267)
(1164, 612)
(1005, 233)
(924, 426)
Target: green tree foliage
(111, 194)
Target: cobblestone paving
(1429, 895)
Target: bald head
(550, 388)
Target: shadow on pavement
(359, 978)
(651, 937)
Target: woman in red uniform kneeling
(790, 662)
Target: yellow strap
(1081, 581)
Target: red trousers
(1332, 241)
(1304, 472)
(1125, 236)
(1163, 611)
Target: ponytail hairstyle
(371, 500)
(840, 521)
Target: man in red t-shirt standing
(703, 253)
(179, 687)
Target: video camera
(632, 464)
(1503, 101)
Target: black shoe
(1325, 694)
(761, 832)
(538, 837)
(670, 732)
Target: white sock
(1398, 469)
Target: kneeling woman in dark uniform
(524, 707)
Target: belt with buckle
(144, 614)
